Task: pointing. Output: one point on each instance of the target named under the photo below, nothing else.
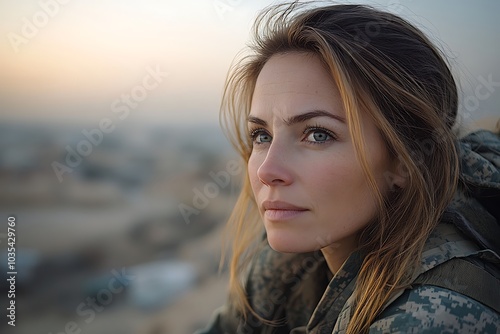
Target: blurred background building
(113, 162)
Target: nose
(276, 169)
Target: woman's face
(308, 184)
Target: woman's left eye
(318, 136)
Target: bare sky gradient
(90, 52)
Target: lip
(278, 210)
(279, 205)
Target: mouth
(277, 210)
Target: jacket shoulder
(431, 309)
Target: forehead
(294, 79)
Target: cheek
(342, 190)
(342, 174)
(253, 166)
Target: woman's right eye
(260, 136)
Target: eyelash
(253, 133)
(309, 129)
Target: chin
(285, 243)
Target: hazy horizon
(87, 55)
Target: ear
(397, 177)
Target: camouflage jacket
(458, 277)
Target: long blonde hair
(387, 68)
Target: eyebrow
(299, 118)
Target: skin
(308, 184)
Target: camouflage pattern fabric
(296, 291)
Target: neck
(337, 253)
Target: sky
(70, 61)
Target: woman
(376, 219)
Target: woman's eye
(318, 136)
(261, 137)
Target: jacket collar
(334, 308)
